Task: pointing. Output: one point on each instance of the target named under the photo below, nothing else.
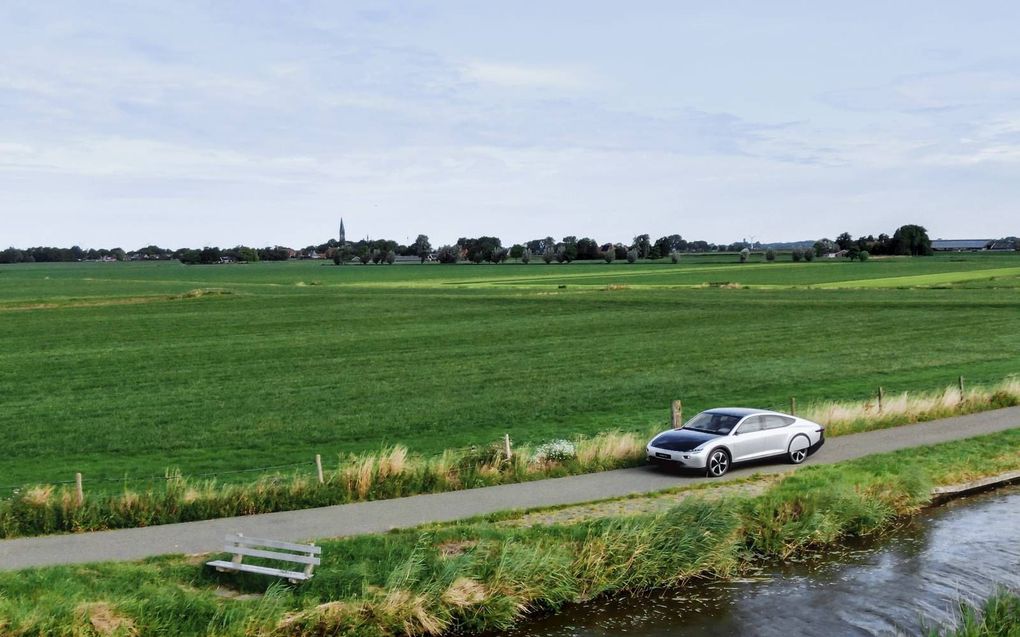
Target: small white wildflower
(555, 451)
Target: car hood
(681, 439)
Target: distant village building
(961, 245)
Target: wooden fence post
(506, 446)
(79, 492)
(961, 385)
(793, 405)
(881, 395)
(676, 414)
(318, 468)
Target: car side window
(775, 422)
(754, 423)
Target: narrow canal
(910, 577)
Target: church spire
(343, 235)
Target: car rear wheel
(718, 463)
(797, 456)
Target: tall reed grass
(843, 417)
(394, 472)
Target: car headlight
(698, 449)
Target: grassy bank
(484, 574)
(119, 370)
(394, 473)
(999, 616)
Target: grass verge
(392, 473)
(999, 616)
(479, 575)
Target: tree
(770, 255)
(549, 255)
(422, 248)
(209, 255)
(643, 244)
(844, 241)
(569, 247)
(448, 254)
(809, 255)
(12, 255)
(391, 256)
(539, 246)
(561, 255)
(588, 249)
(481, 248)
(823, 247)
(911, 239)
(669, 244)
(609, 255)
(674, 256)
(526, 256)
(517, 251)
(863, 255)
(632, 255)
(342, 255)
(797, 255)
(744, 254)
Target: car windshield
(712, 423)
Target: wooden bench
(242, 547)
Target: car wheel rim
(798, 456)
(717, 464)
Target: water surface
(889, 586)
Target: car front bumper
(668, 458)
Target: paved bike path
(383, 515)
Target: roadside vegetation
(483, 574)
(119, 370)
(393, 472)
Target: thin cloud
(520, 76)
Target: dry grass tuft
(102, 620)
(453, 548)
(612, 446)
(465, 592)
(412, 612)
(38, 495)
(394, 463)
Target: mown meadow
(121, 370)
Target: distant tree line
(909, 239)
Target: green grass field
(122, 370)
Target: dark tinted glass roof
(739, 412)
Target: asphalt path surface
(373, 517)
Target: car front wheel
(718, 463)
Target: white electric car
(714, 440)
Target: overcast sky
(219, 123)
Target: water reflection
(960, 551)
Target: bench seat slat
(262, 570)
(276, 544)
(272, 555)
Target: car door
(747, 441)
(775, 434)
